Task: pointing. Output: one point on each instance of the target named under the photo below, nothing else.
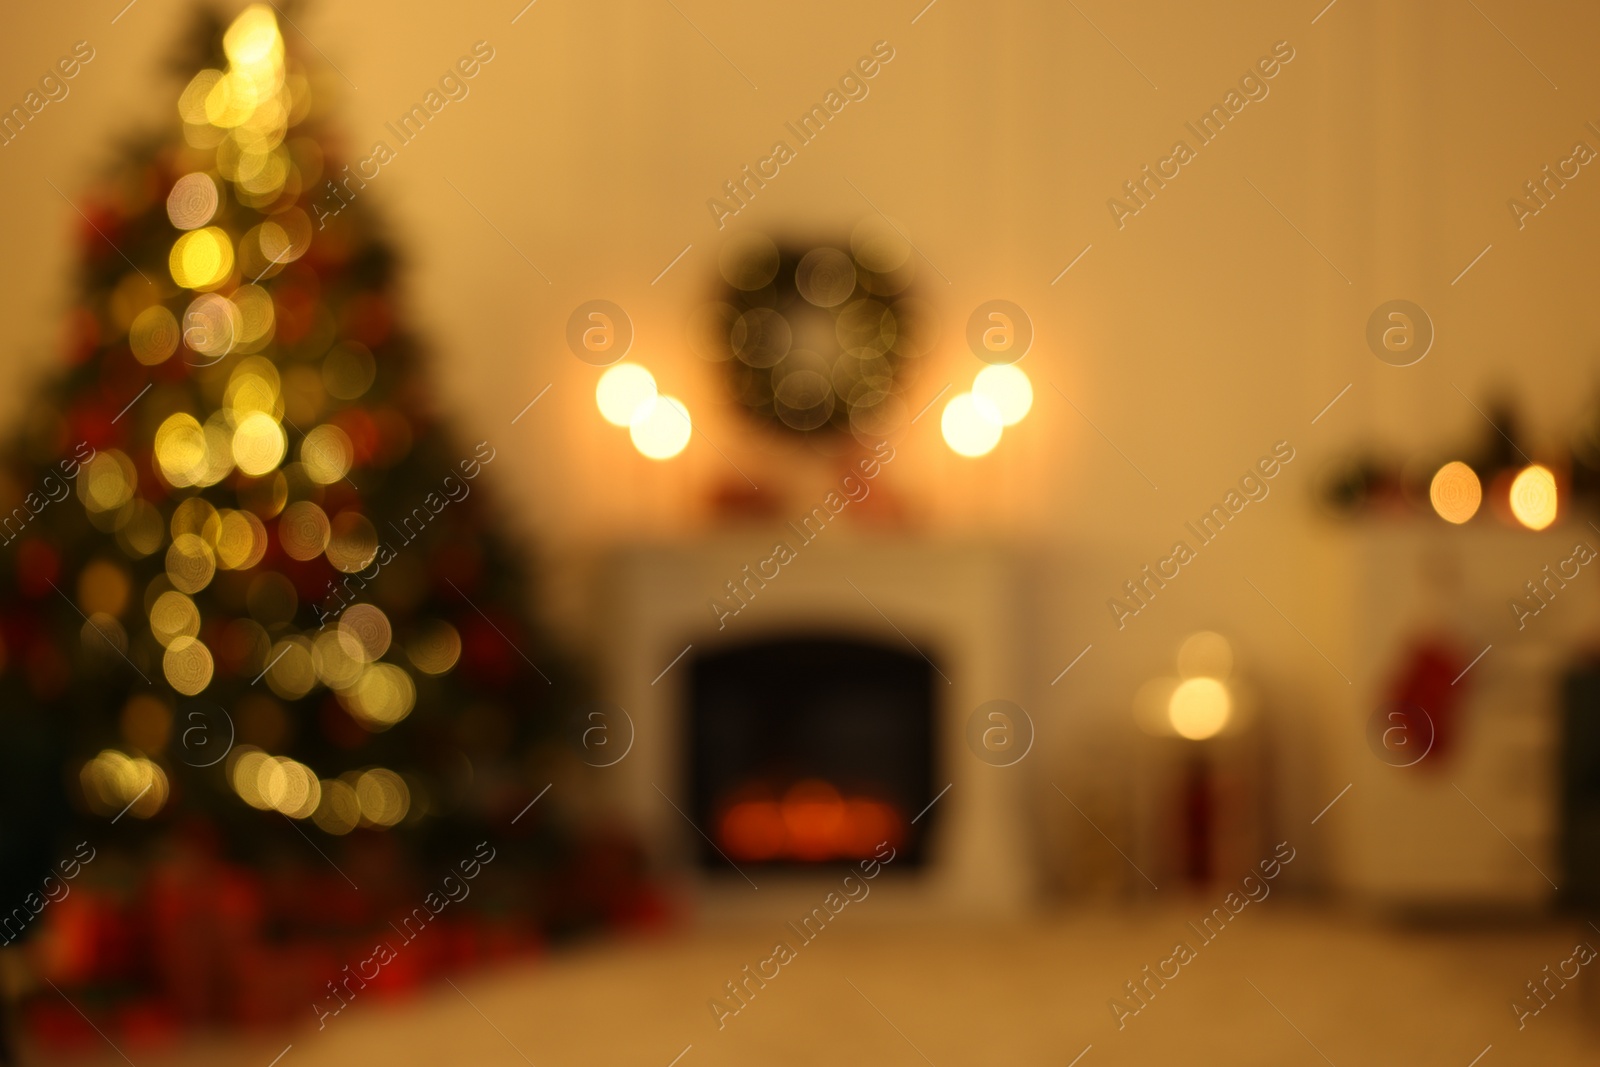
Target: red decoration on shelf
(1427, 680)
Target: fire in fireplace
(810, 823)
(810, 750)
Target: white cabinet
(1474, 826)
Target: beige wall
(1197, 336)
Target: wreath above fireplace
(819, 340)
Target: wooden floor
(1281, 985)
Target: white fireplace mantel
(955, 602)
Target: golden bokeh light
(291, 673)
(352, 542)
(180, 450)
(244, 773)
(382, 796)
(383, 695)
(106, 483)
(254, 386)
(339, 811)
(253, 39)
(435, 649)
(187, 665)
(173, 617)
(622, 391)
(274, 783)
(326, 454)
(241, 540)
(1006, 387)
(263, 174)
(369, 628)
(661, 428)
(192, 202)
(154, 335)
(203, 135)
(191, 563)
(196, 516)
(338, 659)
(192, 102)
(201, 259)
(257, 317)
(971, 425)
(1533, 497)
(288, 786)
(284, 238)
(1199, 708)
(259, 444)
(1455, 492)
(211, 327)
(233, 99)
(114, 781)
(304, 530)
(218, 463)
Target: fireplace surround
(873, 643)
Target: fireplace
(837, 702)
(810, 750)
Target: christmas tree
(251, 586)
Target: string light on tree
(265, 530)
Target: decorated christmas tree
(252, 596)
